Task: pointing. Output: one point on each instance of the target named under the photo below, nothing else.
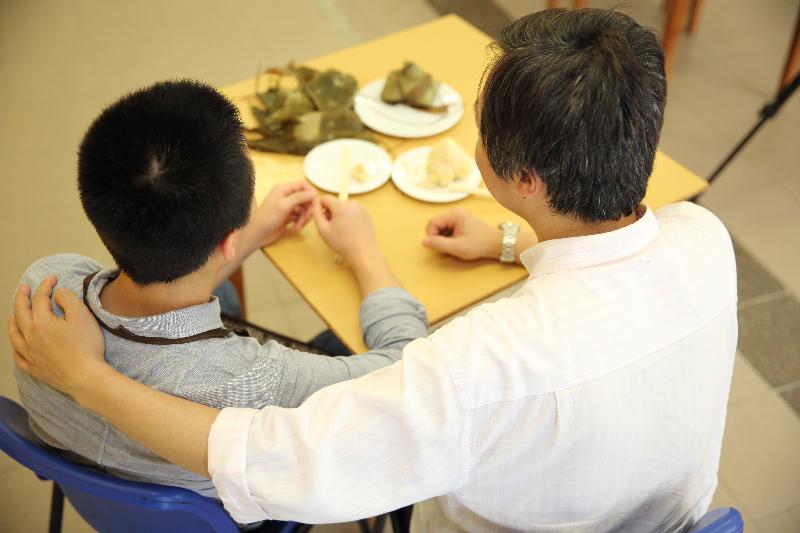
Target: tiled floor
(60, 62)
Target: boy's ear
(228, 245)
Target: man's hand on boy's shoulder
(286, 209)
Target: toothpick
(345, 174)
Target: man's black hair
(164, 176)
(578, 97)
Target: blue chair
(111, 504)
(722, 520)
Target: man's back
(231, 371)
(597, 398)
(594, 399)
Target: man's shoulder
(691, 218)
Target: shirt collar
(573, 253)
(175, 324)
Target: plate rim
(402, 187)
(378, 183)
(458, 114)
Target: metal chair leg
(401, 519)
(380, 521)
(56, 509)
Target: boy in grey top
(165, 180)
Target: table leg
(694, 16)
(676, 16)
(793, 57)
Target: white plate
(323, 165)
(409, 171)
(400, 120)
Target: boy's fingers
(329, 202)
(300, 197)
(303, 219)
(22, 309)
(318, 214)
(40, 303)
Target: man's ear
(228, 245)
(529, 184)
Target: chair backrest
(722, 520)
(107, 503)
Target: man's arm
(458, 233)
(315, 463)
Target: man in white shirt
(593, 399)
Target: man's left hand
(287, 208)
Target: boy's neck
(122, 297)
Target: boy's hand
(458, 233)
(66, 353)
(287, 208)
(346, 227)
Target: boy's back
(231, 371)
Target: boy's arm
(286, 209)
(390, 319)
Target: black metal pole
(766, 113)
(56, 509)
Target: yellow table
(455, 52)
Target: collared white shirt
(593, 399)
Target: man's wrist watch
(508, 252)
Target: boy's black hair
(578, 97)
(164, 176)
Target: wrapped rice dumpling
(447, 163)
(316, 107)
(410, 85)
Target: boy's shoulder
(71, 270)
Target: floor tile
(487, 16)
(792, 397)
(771, 239)
(787, 521)
(760, 463)
(304, 321)
(769, 337)
(753, 279)
(747, 383)
(25, 505)
(724, 498)
(272, 319)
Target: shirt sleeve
(390, 319)
(355, 449)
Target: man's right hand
(460, 234)
(66, 353)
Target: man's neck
(549, 225)
(123, 297)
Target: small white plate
(409, 172)
(323, 165)
(400, 120)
